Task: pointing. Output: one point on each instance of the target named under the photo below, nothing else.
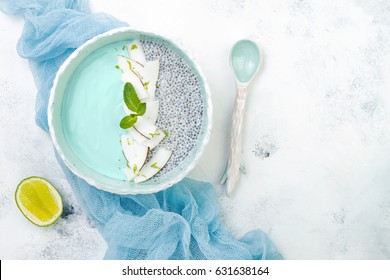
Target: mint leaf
(146, 84)
(154, 134)
(131, 98)
(130, 66)
(154, 165)
(117, 67)
(132, 102)
(141, 109)
(128, 121)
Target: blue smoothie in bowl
(86, 107)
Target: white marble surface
(317, 143)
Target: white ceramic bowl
(201, 103)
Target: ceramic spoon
(245, 61)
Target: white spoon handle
(233, 172)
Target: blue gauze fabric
(178, 223)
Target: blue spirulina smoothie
(92, 109)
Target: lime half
(39, 201)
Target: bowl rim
(93, 182)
